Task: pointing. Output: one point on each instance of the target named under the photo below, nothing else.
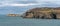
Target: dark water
(19, 21)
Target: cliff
(43, 13)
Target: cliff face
(43, 13)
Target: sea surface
(19, 21)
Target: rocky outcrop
(13, 15)
(43, 13)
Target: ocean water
(19, 21)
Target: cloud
(17, 3)
(20, 4)
(30, 4)
(48, 3)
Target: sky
(16, 3)
(19, 6)
(29, 2)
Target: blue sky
(21, 6)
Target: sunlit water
(19, 21)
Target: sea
(20, 21)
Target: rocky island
(13, 15)
(43, 13)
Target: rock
(13, 15)
(43, 13)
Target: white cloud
(21, 4)
(30, 4)
(13, 3)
